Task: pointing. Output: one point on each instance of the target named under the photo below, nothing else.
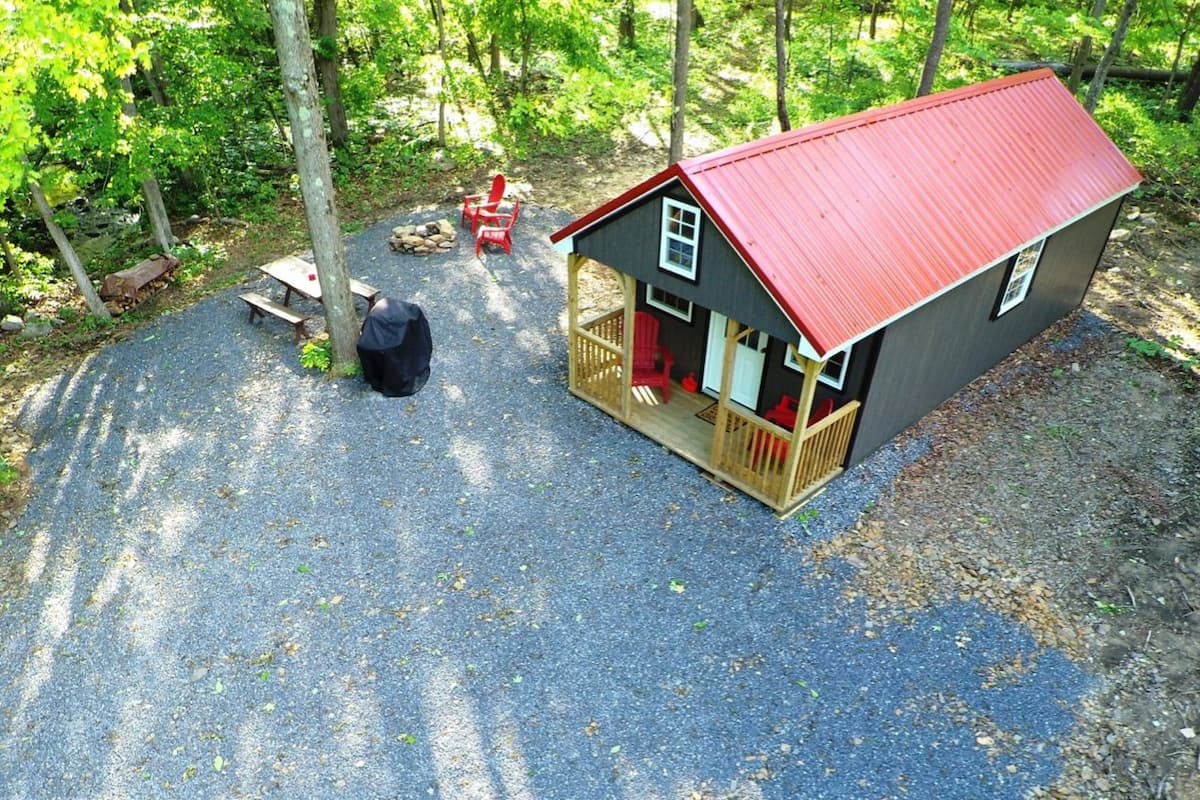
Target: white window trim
(834, 381)
(667, 237)
(1021, 280)
(675, 312)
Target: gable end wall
(629, 242)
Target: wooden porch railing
(596, 349)
(753, 454)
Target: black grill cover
(395, 347)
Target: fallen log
(128, 287)
(1143, 74)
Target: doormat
(709, 415)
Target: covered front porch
(780, 467)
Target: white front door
(748, 363)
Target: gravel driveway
(244, 580)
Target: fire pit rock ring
(424, 238)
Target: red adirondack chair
(497, 229)
(648, 354)
(784, 415)
(475, 204)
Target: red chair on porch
(648, 354)
(784, 415)
(473, 204)
(498, 229)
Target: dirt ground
(1062, 489)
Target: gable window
(680, 247)
(833, 374)
(1020, 277)
(673, 304)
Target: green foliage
(8, 472)
(317, 354)
(93, 323)
(1166, 151)
(1146, 348)
(36, 276)
(194, 261)
(325, 47)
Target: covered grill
(395, 348)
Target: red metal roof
(854, 222)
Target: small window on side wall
(673, 304)
(833, 374)
(1020, 277)
(680, 248)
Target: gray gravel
(247, 581)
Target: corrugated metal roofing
(854, 222)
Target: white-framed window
(673, 304)
(1020, 278)
(680, 249)
(833, 374)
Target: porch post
(731, 337)
(574, 262)
(791, 465)
(629, 284)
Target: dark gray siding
(685, 340)
(779, 380)
(927, 356)
(629, 243)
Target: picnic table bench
(261, 306)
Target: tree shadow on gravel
(243, 578)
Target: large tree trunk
(937, 43)
(1084, 51)
(781, 66)
(626, 33)
(679, 73)
(156, 210)
(1110, 55)
(94, 303)
(316, 181)
(327, 69)
(1191, 91)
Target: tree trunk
(299, 80)
(1142, 74)
(626, 34)
(1110, 55)
(494, 56)
(439, 18)
(327, 69)
(526, 49)
(941, 28)
(156, 210)
(11, 265)
(1084, 51)
(94, 303)
(1185, 30)
(1191, 92)
(679, 73)
(871, 29)
(781, 67)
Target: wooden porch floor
(675, 424)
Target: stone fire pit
(424, 237)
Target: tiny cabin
(797, 301)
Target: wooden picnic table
(300, 277)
